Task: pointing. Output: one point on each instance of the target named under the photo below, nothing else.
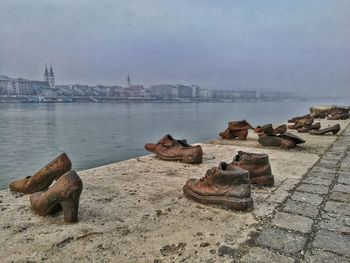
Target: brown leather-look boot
(258, 166)
(177, 150)
(230, 134)
(219, 186)
(295, 119)
(239, 125)
(166, 141)
(226, 134)
(44, 177)
(333, 129)
(302, 123)
(64, 193)
(280, 129)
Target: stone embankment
(134, 211)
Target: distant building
(15, 86)
(164, 91)
(184, 91)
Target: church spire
(129, 81)
(51, 77)
(46, 74)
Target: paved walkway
(312, 223)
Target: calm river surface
(94, 134)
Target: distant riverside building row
(47, 88)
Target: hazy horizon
(291, 46)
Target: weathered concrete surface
(134, 211)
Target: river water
(94, 134)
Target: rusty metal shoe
(339, 116)
(315, 126)
(178, 150)
(269, 130)
(239, 125)
(276, 141)
(219, 186)
(258, 166)
(301, 123)
(166, 141)
(333, 129)
(44, 177)
(230, 135)
(65, 194)
(295, 119)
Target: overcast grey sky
(288, 45)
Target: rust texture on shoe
(276, 141)
(258, 166)
(280, 129)
(177, 150)
(44, 177)
(295, 119)
(333, 129)
(219, 186)
(315, 126)
(65, 194)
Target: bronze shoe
(239, 125)
(295, 119)
(229, 134)
(178, 150)
(302, 123)
(274, 141)
(64, 193)
(219, 186)
(44, 177)
(315, 126)
(339, 116)
(258, 166)
(333, 129)
(166, 141)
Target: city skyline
(276, 45)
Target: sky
(290, 45)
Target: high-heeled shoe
(65, 192)
(44, 177)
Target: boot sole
(183, 159)
(266, 180)
(234, 203)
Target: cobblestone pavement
(311, 223)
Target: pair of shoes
(269, 130)
(229, 185)
(333, 129)
(315, 126)
(236, 129)
(171, 149)
(63, 194)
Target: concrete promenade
(134, 211)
